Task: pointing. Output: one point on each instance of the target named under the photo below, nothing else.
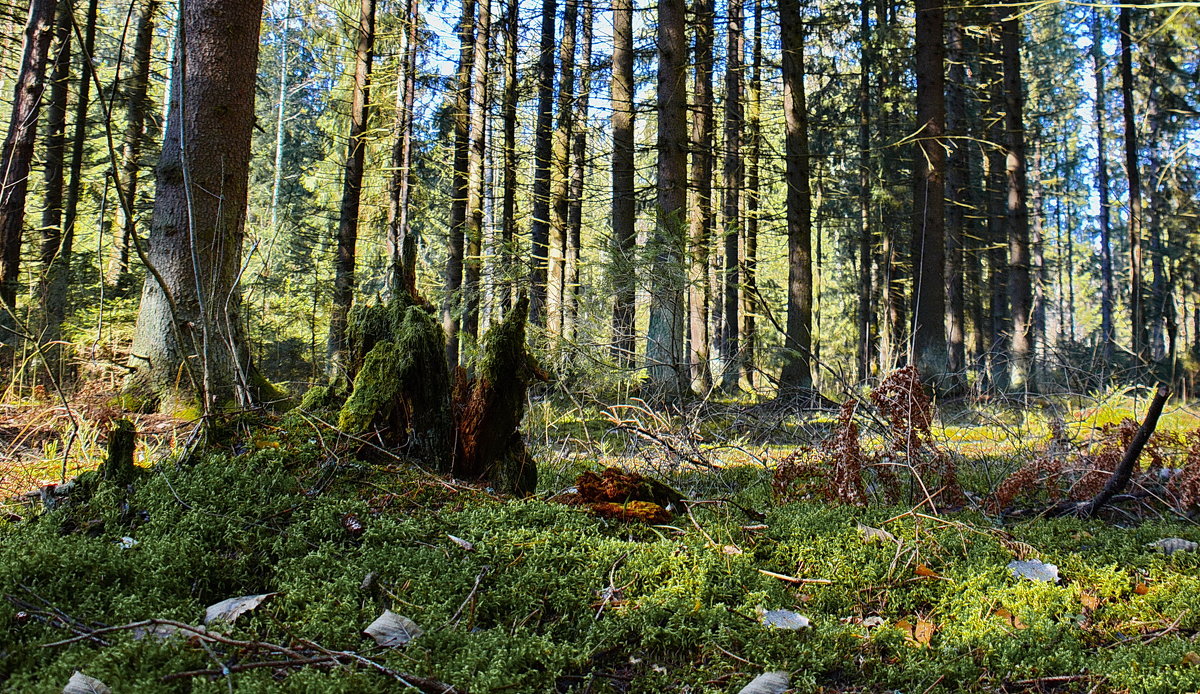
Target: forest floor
(532, 595)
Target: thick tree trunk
(344, 262)
(623, 210)
(928, 250)
(16, 158)
(456, 246)
(700, 212)
(508, 205)
(731, 210)
(1021, 346)
(571, 287)
(749, 267)
(1137, 319)
(543, 155)
(560, 182)
(401, 244)
(473, 260)
(957, 202)
(136, 110)
(188, 342)
(796, 376)
(665, 361)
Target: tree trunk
(731, 210)
(700, 212)
(571, 288)
(928, 249)
(957, 203)
(865, 345)
(473, 261)
(136, 109)
(16, 158)
(55, 157)
(665, 361)
(561, 171)
(1137, 321)
(280, 112)
(456, 246)
(508, 206)
(623, 211)
(543, 155)
(1021, 346)
(188, 342)
(796, 376)
(749, 267)
(343, 283)
(401, 244)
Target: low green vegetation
(536, 596)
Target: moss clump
(402, 385)
(322, 399)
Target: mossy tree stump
(118, 466)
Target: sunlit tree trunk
(137, 107)
(508, 115)
(665, 361)
(571, 288)
(1137, 321)
(865, 345)
(731, 210)
(700, 211)
(560, 173)
(456, 245)
(352, 176)
(473, 260)
(55, 158)
(749, 267)
(623, 206)
(16, 157)
(280, 112)
(1107, 288)
(957, 202)
(796, 376)
(1021, 346)
(401, 244)
(188, 347)
(543, 155)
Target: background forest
(1053, 159)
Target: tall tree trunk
(543, 155)
(734, 173)
(749, 267)
(796, 376)
(995, 190)
(1021, 345)
(401, 244)
(623, 210)
(136, 109)
(456, 246)
(1137, 319)
(958, 203)
(343, 282)
(571, 288)
(16, 158)
(473, 261)
(560, 173)
(1107, 287)
(508, 205)
(1037, 250)
(280, 112)
(57, 261)
(188, 343)
(865, 345)
(55, 158)
(928, 249)
(666, 366)
(700, 213)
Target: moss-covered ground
(549, 598)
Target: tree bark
(957, 203)
(731, 210)
(700, 212)
(623, 210)
(928, 250)
(508, 205)
(543, 155)
(1137, 321)
(473, 260)
(865, 345)
(665, 361)
(561, 171)
(571, 287)
(280, 112)
(136, 109)
(749, 267)
(344, 262)
(55, 158)
(401, 243)
(456, 246)
(1021, 376)
(16, 158)
(995, 188)
(188, 343)
(796, 376)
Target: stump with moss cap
(489, 407)
(118, 466)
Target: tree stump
(118, 466)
